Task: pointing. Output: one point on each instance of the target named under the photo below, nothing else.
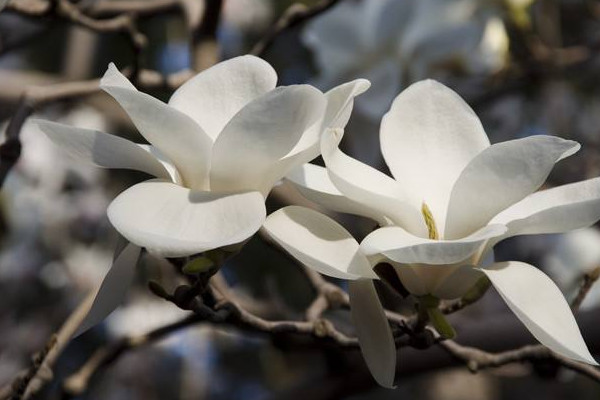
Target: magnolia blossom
(392, 42)
(216, 149)
(453, 196)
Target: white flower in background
(217, 148)
(395, 42)
(572, 256)
(40, 212)
(453, 197)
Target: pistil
(430, 222)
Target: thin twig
(586, 285)
(77, 383)
(295, 15)
(478, 360)
(40, 371)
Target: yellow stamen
(430, 222)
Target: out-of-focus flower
(572, 256)
(453, 198)
(395, 42)
(217, 148)
(41, 212)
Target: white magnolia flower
(216, 149)
(453, 197)
(393, 42)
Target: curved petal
(542, 308)
(368, 186)
(500, 176)
(318, 242)
(314, 184)
(400, 246)
(102, 149)
(261, 134)
(166, 163)
(427, 138)
(340, 101)
(171, 131)
(113, 289)
(555, 210)
(373, 330)
(215, 95)
(175, 221)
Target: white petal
(417, 279)
(540, 305)
(215, 95)
(427, 138)
(314, 184)
(400, 246)
(500, 176)
(113, 289)
(318, 242)
(171, 131)
(114, 78)
(102, 149)
(369, 187)
(166, 163)
(261, 134)
(373, 330)
(457, 283)
(174, 221)
(555, 210)
(340, 101)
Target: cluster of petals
(452, 197)
(215, 151)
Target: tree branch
(40, 371)
(77, 383)
(297, 14)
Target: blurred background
(525, 66)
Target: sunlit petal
(318, 242)
(214, 96)
(500, 176)
(427, 138)
(171, 131)
(542, 308)
(175, 221)
(400, 246)
(369, 187)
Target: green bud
(440, 323)
(198, 265)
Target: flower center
(430, 222)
